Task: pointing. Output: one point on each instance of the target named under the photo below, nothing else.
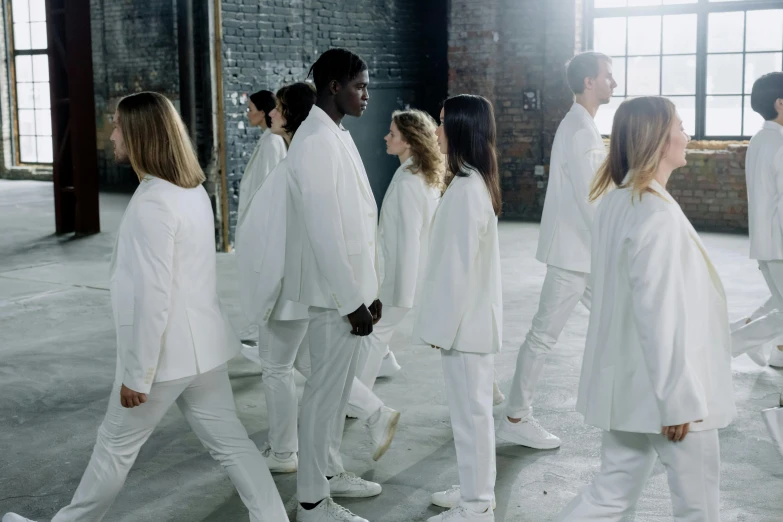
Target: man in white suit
(764, 177)
(563, 241)
(173, 342)
(331, 267)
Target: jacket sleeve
(152, 258)
(661, 315)
(410, 221)
(778, 166)
(451, 261)
(583, 162)
(317, 172)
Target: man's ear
(334, 87)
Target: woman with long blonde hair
(656, 375)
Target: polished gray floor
(57, 363)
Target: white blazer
(404, 235)
(269, 151)
(163, 288)
(461, 303)
(577, 152)
(658, 349)
(330, 241)
(764, 176)
(260, 252)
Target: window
(30, 75)
(704, 55)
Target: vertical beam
(75, 169)
(221, 121)
(187, 65)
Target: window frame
(12, 53)
(702, 9)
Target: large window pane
(679, 34)
(605, 115)
(24, 68)
(44, 149)
(27, 149)
(20, 10)
(724, 74)
(752, 121)
(610, 3)
(609, 36)
(40, 68)
(724, 115)
(26, 122)
(22, 37)
(43, 123)
(642, 3)
(679, 75)
(757, 65)
(686, 108)
(38, 35)
(25, 96)
(42, 96)
(726, 32)
(765, 31)
(644, 35)
(644, 75)
(37, 11)
(618, 72)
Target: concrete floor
(57, 363)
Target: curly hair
(294, 103)
(418, 130)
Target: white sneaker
(327, 511)
(462, 514)
(758, 355)
(389, 366)
(13, 517)
(527, 432)
(250, 353)
(776, 357)
(278, 464)
(350, 486)
(451, 498)
(497, 395)
(382, 430)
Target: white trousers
(768, 327)
(374, 347)
(333, 355)
(627, 459)
(469, 378)
(207, 403)
(561, 291)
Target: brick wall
(269, 44)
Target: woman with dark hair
(269, 151)
(282, 325)
(461, 307)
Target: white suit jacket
(403, 236)
(461, 302)
(764, 176)
(330, 241)
(269, 151)
(658, 349)
(577, 152)
(163, 288)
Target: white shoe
(527, 432)
(463, 514)
(451, 498)
(250, 353)
(389, 366)
(327, 511)
(278, 464)
(758, 355)
(350, 486)
(382, 430)
(776, 357)
(497, 395)
(13, 517)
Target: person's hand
(676, 433)
(376, 309)
(130, 398)
(361, 321)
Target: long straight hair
(640, 135)
(469, 124)
(157, 140)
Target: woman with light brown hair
(656, 375)
(173, 341)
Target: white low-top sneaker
(463, 514)
(382, 431)
(776, 357)
(327, 511)
(349, 485)
(527, 432)
(278, 464)
(389, 366)
(451, 498)
(13, 517)
(497, 395)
